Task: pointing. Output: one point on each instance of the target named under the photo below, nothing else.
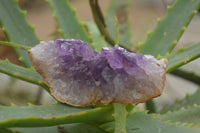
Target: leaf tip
(12, 104)
(24, 12)
(148, 33)
(32, 26)
(29, 104)
(188, 107)
(184, 124)
(181, 48)
(196, 126)
(178, 123)
(184, 28)
(158, 20)
(190, 125)
(140, 44)
(168, 121)
(59, 31)
(159, 56)
(20, 59)
(185, 61)
(168, 8)
(74, 10)
(195, 105)
(7, 60)
(174, 43)
(154, 114)
(3, 28)
(54, 15)
(195, 12)
(168, 112)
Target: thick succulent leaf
(188, 75)
(120, 117)
(182, 56)
(83, 128)
(50, 115)
(141, 122)
(16, 27)
(190, 71)
(192, 67)
(8, 131)
(15, 45)
(67, 21)
(120, 9)
(190, 116)
(170, 28)
(68, 128)
(26, 74)
(52, 129)
(98, 17)
(189, 100)
(98, 40)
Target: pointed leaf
(182, 56)
(97, 38)
(141, 122)
(8, 131)
(69, 25)
(15, 45)
(119, 9)
(190, 71)
(170, 28)
(49, 115)
(189, 100)
(23, 73)
(192, 67)
(17, 29)
(83, 128)
(188, 75)
(68, 128)
(190, 115)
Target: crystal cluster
(80, 76)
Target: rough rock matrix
(80, 76)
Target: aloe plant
(114, 117)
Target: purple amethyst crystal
(80, 76)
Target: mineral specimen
(79, 76)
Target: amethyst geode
(80, 76)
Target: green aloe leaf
(188, 75)
(98, 40)
(83, 128)
(120, 117)
(15, 45)
(120, 9)
(189, 100)
(68, 23)
(190, 71)
(16, 27)
(68, 128)
(182, 56)
(8, 131)
(50, 115)
(26, 74)
(141, 122)
(190, 116)
(170, 28)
